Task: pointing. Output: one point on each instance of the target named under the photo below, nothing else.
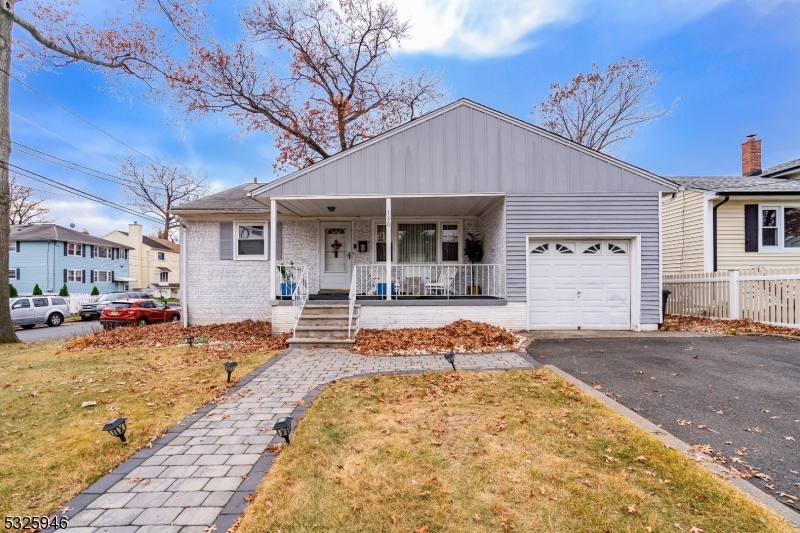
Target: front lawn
(51, 448)
(500, 451)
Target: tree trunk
(6, 327)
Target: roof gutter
(714, 223)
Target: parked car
(27, 312)
(92, 310)
(137, 312)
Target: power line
(81, 118)
(88, 196)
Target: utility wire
(81, 118)
(55, 183)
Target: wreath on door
(336, 245)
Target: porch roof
(428, 205)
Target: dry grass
(51, 448)
(501, 451)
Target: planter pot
(474, 290)
(287, 289)
(382, 289)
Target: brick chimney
(751, 156)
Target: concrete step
(325, 321)
(318, 332)
(296, 342)
(327, 309)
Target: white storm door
(335, 255)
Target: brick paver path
(208, 467)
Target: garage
(579, 284)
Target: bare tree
(27, 207)
(602, 108)
(156, 187)
(339, 86)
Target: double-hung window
(251, 241)
(12, 246)
(163, 277)
(12, 273)
(161, 256)
(780, 227)
(74, 276)
(74, 249)
(103, 276)
(102, 252)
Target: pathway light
(283, 426)
(450, 357)
(117, 428)
(229, 368)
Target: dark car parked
(92, 311)
(138, 312)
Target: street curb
(672, 441)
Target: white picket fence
(74, 301)
(764, 295)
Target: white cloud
(90, 216)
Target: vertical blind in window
(416, 243)
(449, 242)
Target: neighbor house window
(12, 246)
(102, 252)
(12, 273)
(74, 276)
(103, 276)
(74, 249)
(780, 227)
(160, 256)
(251, 240)
(163, 277)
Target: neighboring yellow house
(154, 263)
(718, 223)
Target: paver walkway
(202, 471)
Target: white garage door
(579, 284)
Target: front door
(335, 255)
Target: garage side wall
(576, 214)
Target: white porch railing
(768, 295)
(299, 297)
(352, 299)
(445, 281)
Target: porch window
(769, 227)
(250, 241)
(780, 228)
(449, 243)
(380, 243)
(416, 243)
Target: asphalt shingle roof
(233, 199)
(158, 244)
(786, 165)
(737, 183)
(52, 232)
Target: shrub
(63, 292)
(37, 291)
(95, 291)
(12, 291)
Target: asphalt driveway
(740, 395)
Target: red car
(138, 312)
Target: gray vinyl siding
(466, 149)
(630, 213)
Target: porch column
(388, 248)
(273, 250)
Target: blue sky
(734, 63)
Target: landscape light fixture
(331, 208)
(116, 428)
(190, 340)
(283, 426)
(450, 357)
(229, 368)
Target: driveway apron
(202, 472)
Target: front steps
(325, 324)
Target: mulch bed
(726, 327)
(462, 336)
(246, 336)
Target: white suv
(29, 311)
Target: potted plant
(473, 249)
(287, 274)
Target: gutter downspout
(716, 206)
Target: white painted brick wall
(301, 246)
(493, 231)
(511, 316)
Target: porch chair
(375, 275)
(445, 283)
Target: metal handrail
(352, 303)
(300, 297)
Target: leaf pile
(726, 327)
(462, 336)
(245, 336)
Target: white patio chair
(445, 284)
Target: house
(570, 235)
(52, 255)
(155, 263)
(724, 223)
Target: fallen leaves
(726, 327)
(462, 336)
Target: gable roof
(156, 243)
(52, 232)
(738, 184)
(233, 199)
(469, 148)
(791, 166)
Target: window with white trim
(74, 249)
(103, 276)
(103, 252)
(779, 227)
(161, 256)
(421, 241)
(251, 241)
(12, 273)
(163, 277)
(12, 246)
(74, 276)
